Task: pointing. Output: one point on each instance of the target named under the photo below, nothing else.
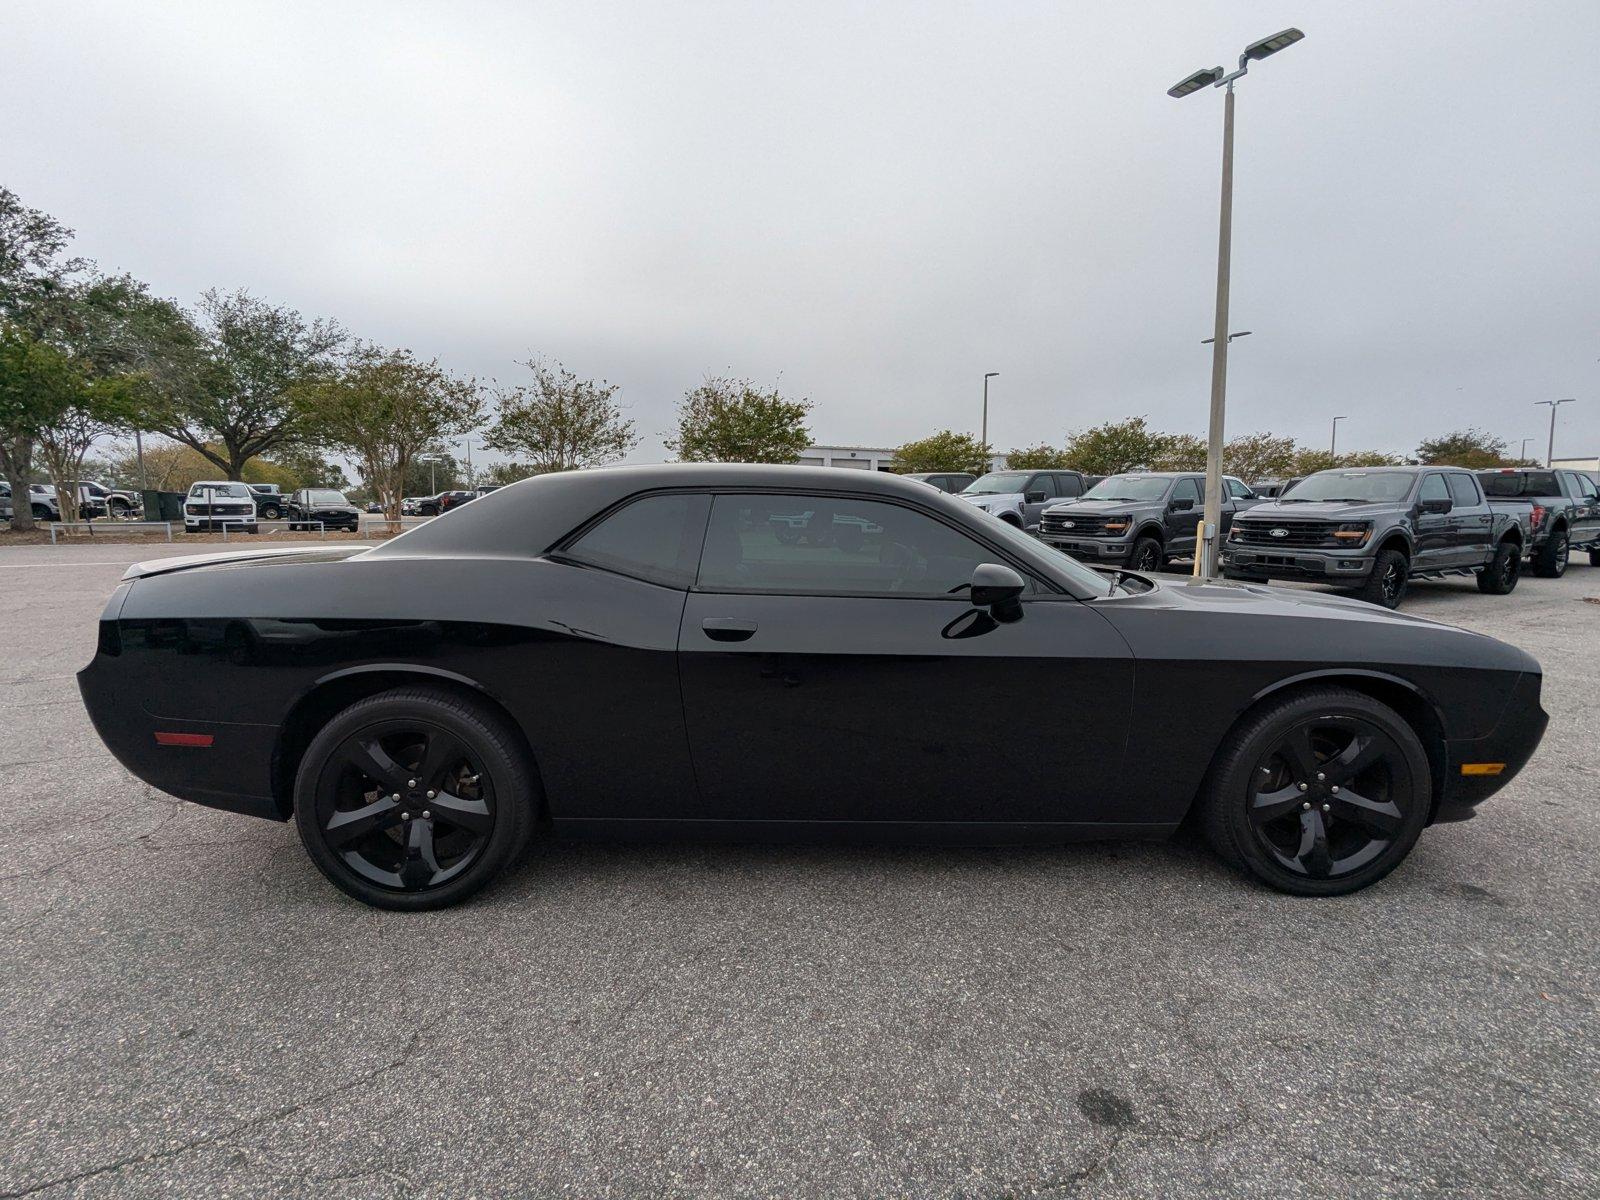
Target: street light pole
(1523, 457)
(1206, 549)
(1333, 442)
(983, 434)
(1550, 451)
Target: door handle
(728, 629)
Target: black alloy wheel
(1320, 794)
(1500, 577)
(414, 799)
(1551, 560)
(1386, 585)
(1146, 555)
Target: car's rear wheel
(1146, 555)
(1550, 561)
(414, 798)
(1391, 575)
(271, 513)
(1321, 793)
(1503, 570)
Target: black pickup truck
(1142, 519)
(1374, 529)
(1561, 509)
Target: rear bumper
(1511, 742)
(1325, 565)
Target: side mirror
(1436, 506)
(1181, 505)
(997, 588)
(1034, 498)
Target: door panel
(1435, 531)
(1183, 527)
(847, 708)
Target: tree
(1254, 456)
(561, 422)
(385, 408)
(503, 473)
(1308, 461)
(1178, 452)
(245, 395)
(431, 472)
(732, 420)
(1037, 458)
(942, 451)
(1464, 448)
(1114, 447)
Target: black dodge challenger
(781, 652)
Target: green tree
(503, 473)
(1308, 461)
(246, 395)
(942, 451)
(1179, 452)
(385, 408)
(1464, 448)
(1114, 447)
(1253, 456)
(561, 422)
(1037, 458)
(732, 420)
(432, 472)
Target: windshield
(233, 491)
(1530, 483)
(1129, 487)
(324, 497)
(1356, 486)
(998, 483)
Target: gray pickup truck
(1372, 530)
(1560, 508)
(1141, 519)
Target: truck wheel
(270, 513)
(1500, 576)
(1391, 575)
(1146, 555)
(1550, 560)
(1594, 558)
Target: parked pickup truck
(1141, 520)
(1560, 508)
(1374, 529)
(1019, 497)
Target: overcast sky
(872, 204)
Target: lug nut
(431, 795)
(1334, 788)
(426, 815)
(1320, 776)
(1326, 807)
(1302, 788)
(405, 816)
(413, 782)
(1306, 806)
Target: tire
(439, 860)
(1390, 577)
(1550, 560)
(1317, 841)
(1500, 577)
(1594, 558)
(271, 513)
(1011, 519)
(41, 513)
(1145, 555)
(121, 511)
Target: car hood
(988, 498)
(1102, 508)
(1355, 631)
(1337, 510)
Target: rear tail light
(1539, 511)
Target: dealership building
(863, 458)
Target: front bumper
(1111, 550)
(1327, 566)
(1511, 743)
(209, 524)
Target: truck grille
(1294, 533)
(1075, 524)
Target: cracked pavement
(189, 1009)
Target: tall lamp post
(983, 433)
(1523, 457)
(1550, 450)
(1333, 441)
(1215, 77)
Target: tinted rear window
(656, 539)
(1530, 483)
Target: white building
(1592, 463)
(860, 458)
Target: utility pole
(1550, 451)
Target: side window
(1464, 490)
(1186, 489)
(790, 545)
(1070, 485)
(1433, 488)
(1237, 489)
(1041, 483)
(656, 538)
(1587, 488)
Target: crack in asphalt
(211, 1139)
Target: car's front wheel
(1146, 555)
(414, 798)
(1321, 793)
(1391, 575)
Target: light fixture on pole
(1231, 336)
(1333, 442)
(1206, 550)
(983, 433)
(1550, 451)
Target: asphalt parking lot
(190, 1009)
